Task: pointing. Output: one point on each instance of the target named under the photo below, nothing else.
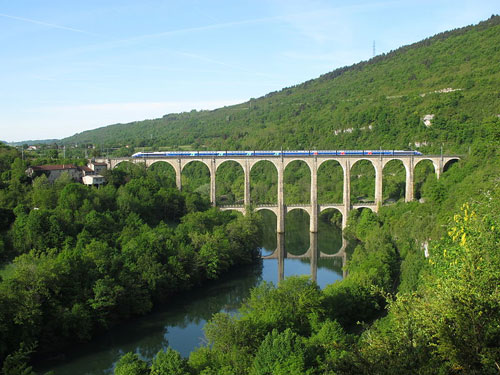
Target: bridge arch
(164, 170)
(229, 183)
(394, 174)
(131, 168)
(235, 211)
(332, 214)
(297, 182)
(218, 163)
(330, 227)
(196, 176)
(362, 177)
(330, 182)
(451, 161)
(154, 163)
(424, 170)
(427, 160)
(264, 182)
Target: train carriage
(268, 153)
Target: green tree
(169, 362)
(281, 354)
(131, 364)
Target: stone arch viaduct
(440, 162)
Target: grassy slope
(384, 92)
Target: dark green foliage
(330, 182)
(229, 182)
(264, 183)
(89, 258)
(169, 362)
(16, 363)
(280, 354)
(131, 364)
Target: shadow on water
(180, 323)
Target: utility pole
(373, 48)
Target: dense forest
(77, 260)
(421, 295)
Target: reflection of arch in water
(297, 182)
(269, 242)
(229, 183)
(263, 182)
(362, 181)
(297, 223)
(312, 256)
(330, 231)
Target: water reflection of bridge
(313, 254)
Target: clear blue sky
(68, 66)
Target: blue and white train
(176, 154)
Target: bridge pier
(347, 192)
(246, 193)
(313, 248)
(178, 174)
(313, 218)
(378, 183)
(280, 222)
(280, 249)
(409, 179)
(212, 181)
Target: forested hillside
(378, 103)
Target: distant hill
(32, 142)
(440, 91)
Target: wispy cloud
(327, 23)
(47, 24)
(196, 29)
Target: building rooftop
(86, 169)
(53, 167)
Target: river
(180, 323)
